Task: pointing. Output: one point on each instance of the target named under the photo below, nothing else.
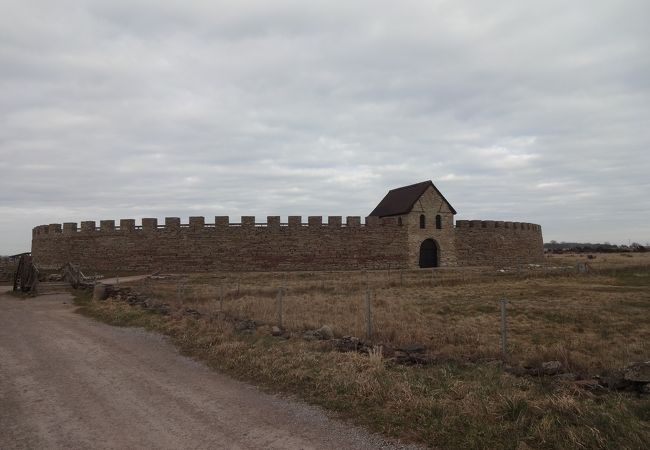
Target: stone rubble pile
(245, 326)
(126, 294)
(351, 344)
(412, 355)
(324, 333)
(635, 377)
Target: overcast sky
(517, 110)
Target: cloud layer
(532, 111)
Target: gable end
(401, 200)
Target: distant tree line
(576, 247)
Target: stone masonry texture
(238, 247)
(311, 244)
(7, 269)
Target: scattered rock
(414, 348)
(245, 326)
(638, 372)
(276, 331)
(310, 335)
(351, 344)
(551, 367)
(412, 355)
(324, 333)
(634, 377)
(135, 299)
(566, 376)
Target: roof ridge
(411, 185)
(401, 200)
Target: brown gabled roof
(401, 200)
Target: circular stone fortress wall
(497, 243)
(223, 246)
(249, 246)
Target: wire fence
(472, 313)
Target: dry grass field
(588, 322)
(592, 323)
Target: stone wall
(500, 244)
(7, 269)
(247, 246)
(430, 205)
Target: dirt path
(67, 381)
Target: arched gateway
(429, 253)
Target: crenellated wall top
(196, 223)
(497, 224)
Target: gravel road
(67, 381)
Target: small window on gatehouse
(423, 221)
(439, 222)
(399, 221)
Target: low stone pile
(126, 294)
(245, 326)
(324, 333)
(634, 377)
(412, 355)
(351, 344)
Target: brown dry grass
(588, 322)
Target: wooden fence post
(368, 315)
(504, 328)
(279, 307)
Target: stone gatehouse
(413, 226)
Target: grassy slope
(451, 405)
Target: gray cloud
(517, 110)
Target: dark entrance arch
(429, 253)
